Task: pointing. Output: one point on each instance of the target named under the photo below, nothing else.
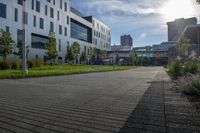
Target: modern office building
(175, 28)
(126, 40)
(40, 17)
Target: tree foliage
(6, 44)
(70, 55)
(182, 46)
(51, 48)
(19, 53)
(83, 57)
(75, 48)
(102, 54)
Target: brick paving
(138, 100)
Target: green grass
(59, 70)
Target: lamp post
(24, 69)
(198, 34)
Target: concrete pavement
(137, 100)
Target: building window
(16, 14)
(46, 10)
(59, 45)
(65, 31)
(41, 23)
(38, 41)
(7, 29)
(54, 2)
(68, 20)
(51, 27)
(37, 6)
(20, 2)
(80, 31)
(49, 1)
(3, 10)
(60, 29)
(51, 12)
(33, 4)
(25, 18)
(34, 21)
(58, 15)
(65, 6)
(60, 4)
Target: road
(122, 101)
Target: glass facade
(38, 41)
(80, 31)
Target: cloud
(140, 18)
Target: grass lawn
(60, 70)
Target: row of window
(101, 35)
(101, 28)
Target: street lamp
(198, 34)
(24, 69)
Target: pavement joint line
(165, 117)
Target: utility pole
(24, 69)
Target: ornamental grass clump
(192, 88)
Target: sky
(144, 20)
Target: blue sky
(144, 20)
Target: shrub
(14, 65)
(30, 64)
(4, 65)
(37, 62)
(191, 67)
(176, 69)
(192, 88)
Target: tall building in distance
(175, 28)
(41, 17)
(126, 40)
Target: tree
(117, 59)
(19, 53)
(83, 57)
(93, 54)
(102, 54)
(51, 48)
(69, 56)
(182, 46)
(76, 49)
(6, 44)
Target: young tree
(93, 54)
(51, 48)
(6, 44)
(102, 54)
(83, 57)
(76, 49)
(70, 56)
(117, 59)
(182, 46)
(19, 53)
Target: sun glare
(174, 9)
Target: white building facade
(41, 17)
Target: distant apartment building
(126, 40)
(175, 28)
(40, 17)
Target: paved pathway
(122, 101)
